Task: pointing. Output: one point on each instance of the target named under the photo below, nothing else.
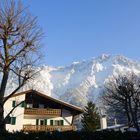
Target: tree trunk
(2, 123)
(135, 120)
(133, 116)
(2, 92)
(136, 125)
(3, 85)
(127, 112)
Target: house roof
(76, 108)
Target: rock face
(81, 81)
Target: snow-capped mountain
(81, 81)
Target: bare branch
(122, 95)
(20, 42)
(11, 111)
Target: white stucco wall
(18, 113)
(22, 119)
(29, 121)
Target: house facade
(39, 112)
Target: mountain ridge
(80, 81)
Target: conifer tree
(90, 119)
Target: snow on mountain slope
(81, 81)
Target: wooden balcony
(44, 112)
(48, 128)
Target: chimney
(103, 122)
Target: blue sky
(82, 29)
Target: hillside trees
(19, 48)
(90, 119)
(122, 95)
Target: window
(51, 122)
(13, 120)
(13, 103)
(29, 105)
(41, 106)
(45, 121)
(41, 122)
(59, 122)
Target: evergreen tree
(90, 118)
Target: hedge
(71, 135)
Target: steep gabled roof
(50, 98)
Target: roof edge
(49, 97)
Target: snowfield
(80, 81)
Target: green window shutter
(61, 122)
(37, 121)
(51, 122)
(13, 120)
(45, 121)
(13, 103)
(23, 104)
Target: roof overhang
(77, 109)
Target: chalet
(39, 112)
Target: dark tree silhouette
(19, 47)
(90, 118)
(122, 95)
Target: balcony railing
(40, 111)
(48, 128)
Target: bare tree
(19, 48)
(122, 94)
